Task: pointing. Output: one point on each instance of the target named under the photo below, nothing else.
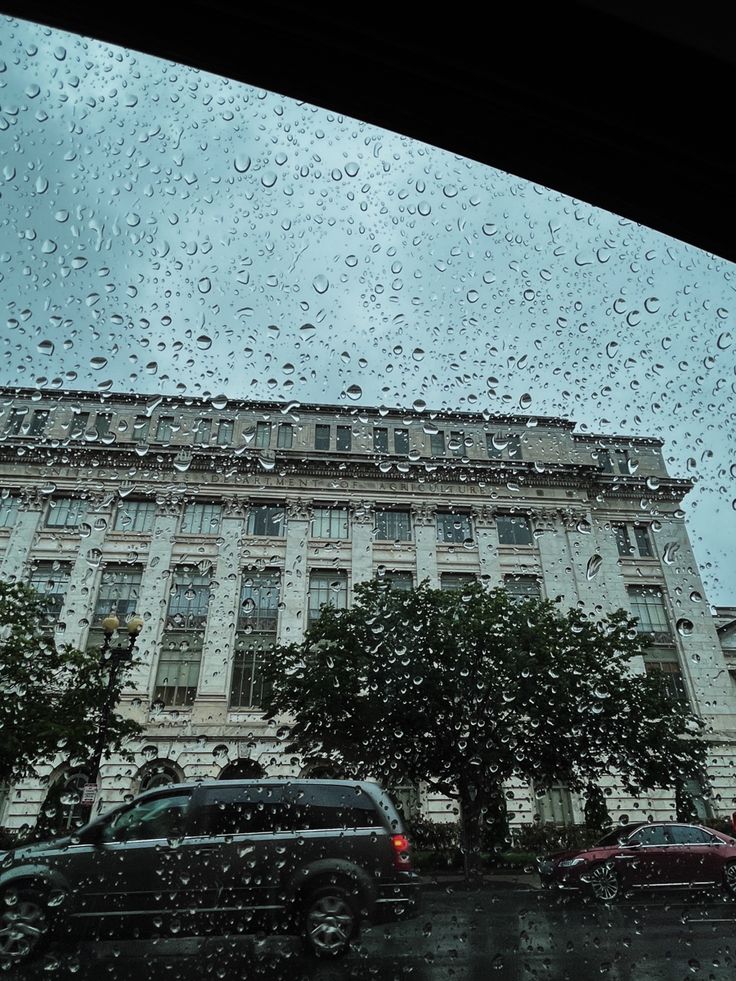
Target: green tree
(465, 690)
(51, 697)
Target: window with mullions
(225, 429)
(141, 426)
(604, 461)
(39, 419)
(321, 437)
(65, 512)
(189, 599)
(502, 446)
(263, 435)
(164, 428)
(331, 523)
(265, 519)
(202, 433)
(392, 525)
(102, 423)
(641, 546)
(401, 441)
(555, 806)
(397, 581)
(8, 511)
(454, 528)
(248, 689)
(51, 581)
(285, 436)
(255, 637)
(119, 592)
(14, 421)
(380, 439)
(135, 516)
(177, 672)
(78, 425)
(451, 582)
(456, 445)
(327, 589)
(669, 677)
(344, 439)
(437, 443)
(647, 604)
(201, 519)
(522, 588)
(514, 529)
(259, 602)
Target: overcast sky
(164, 230)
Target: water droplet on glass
(670, 551)
(685, 627)
(489, 228)
(354, 392)
(724, 340)
(268, 178)
(204, 285)
(593, 566)
(242, 163)
(472, 296)
(417, 354)
(97, 363)
(45, 347)
(204, 343)
(320, 283)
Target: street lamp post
(112, 658)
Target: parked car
(310, 857)
(645, 856)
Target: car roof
(369, 786)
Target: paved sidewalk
(503, 879)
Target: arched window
(158, 773)
(242, 770)
(62, 809)
(321, 770)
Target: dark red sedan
(646, 856)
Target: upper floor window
(39, 419)
(65, 512)
(202, 432)
(514, 529)
(8, 511)
(397, 580)
(500, 446)
(670, 679)
(259, 601)
(102, 423)
(522, 588)
(344, 439)
(51, 581)
(327, 589)
(392, 525)
(626, 463)
(119, 592)
(137, 516)
(605, 461)
(321, 437)
(380, 439)
(330, 523)
(437, 443)
(201, 519)
(141, 426)
(454, 528)
(189, 599)
(225, 428)
(265, 519)
(263, 435)
(78, 425)
(455, 581)
(647, 604)
(14, 421)
(456, 445)
(285, 436)
(641, 545)
(165, 428)
(401, 441)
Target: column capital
(484, 515)
(362, 512)
(423, 513)
(298, 509)
(572, 518)
(30, 499)
(170, 505)
(544, 519)
(235, 507)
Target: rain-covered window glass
(605, 461)
(624, 462)
(554, 806)
(119, 592)
(669, 676)
(330, 523)
(39, 419)
(392, 525)
(164, 428)
(201, 518)
(521, 588)
(380, 439)
(65, 512)
(14, 421)
(437, 443)
(180, 655)
(102, 423)
(265, 519)
(78, 425)
(321, 437)
(344, 439)
(51, 581)
(401, 441)
(327, 589)
(643, 541)
(657, 834)
(202, 432)
(156, 775)
(263, 435)
(256, 634)
(503, 445)
(623, 543)
(189, 600)
(285, 436)
(514, 529)
(137, 516)
(8, 511)
(140, 429)
(454, 528)
(647, 603)
(225, 428)
(456, 445)
(684, 835)
(62, 809)
(397, 580)
(152, 819)
(642, 546)
(456, 581)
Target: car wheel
(329, 921)
(604, 883)
(24, 925)
(729, 878)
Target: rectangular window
(392, 526)
(119, 592)
(513, 446)
(256, 635)
(647, 604)
(622, 461)
(225, 429)
(401, 441)
(78, 425)
(14, 421)
(555, 806)
(380, 439)
(643, 542)
(321, 437)
(141, 425)
(189, 599)
(248, 685)
(344, 439)
(285, 436)
(164, 428)
(201, 519)
(65, 512)
(8, 511)
(514, 529)
(263, 435)
(202, 432)
(330, 523)
(455, 581)
(604, 461)
(177, 673)
(670, 679)
(51, 580)
(102, 423)
(456, 445)
(400, 582)
(39, 420)
(266, 519)
(437, 443)
(259, 602)
(522, 588)
(327, 589)
(454, 528)
(623, 543)
(137, 516)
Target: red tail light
(402, 852)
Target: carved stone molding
(30, 499)
(484, 516)
(297, 510)
(170, 506)
(424, 514)
(362, 512)
(235, 507)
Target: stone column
(14, 565)
(586, 560)
(219, 638)
(80, 596)
(293, 619)
(362, 543)
(425, 537)
(555, 558)
(484, 519)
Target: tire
(329, 921)
(604, 883)
(24, 925)
(729, 878)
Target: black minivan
(306, 857)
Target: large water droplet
(204, 285)
(242, 163)
(204, 343)
(593, 567)
(321, 283)
(354, 392)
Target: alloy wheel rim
(330, 923)
(21, 928)
(604, 883)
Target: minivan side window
(158, 817)
(241, 811)
(319, 808)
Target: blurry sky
(163, 230)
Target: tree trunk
(471, 812)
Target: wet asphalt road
(496, 933)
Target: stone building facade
(227, 524)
